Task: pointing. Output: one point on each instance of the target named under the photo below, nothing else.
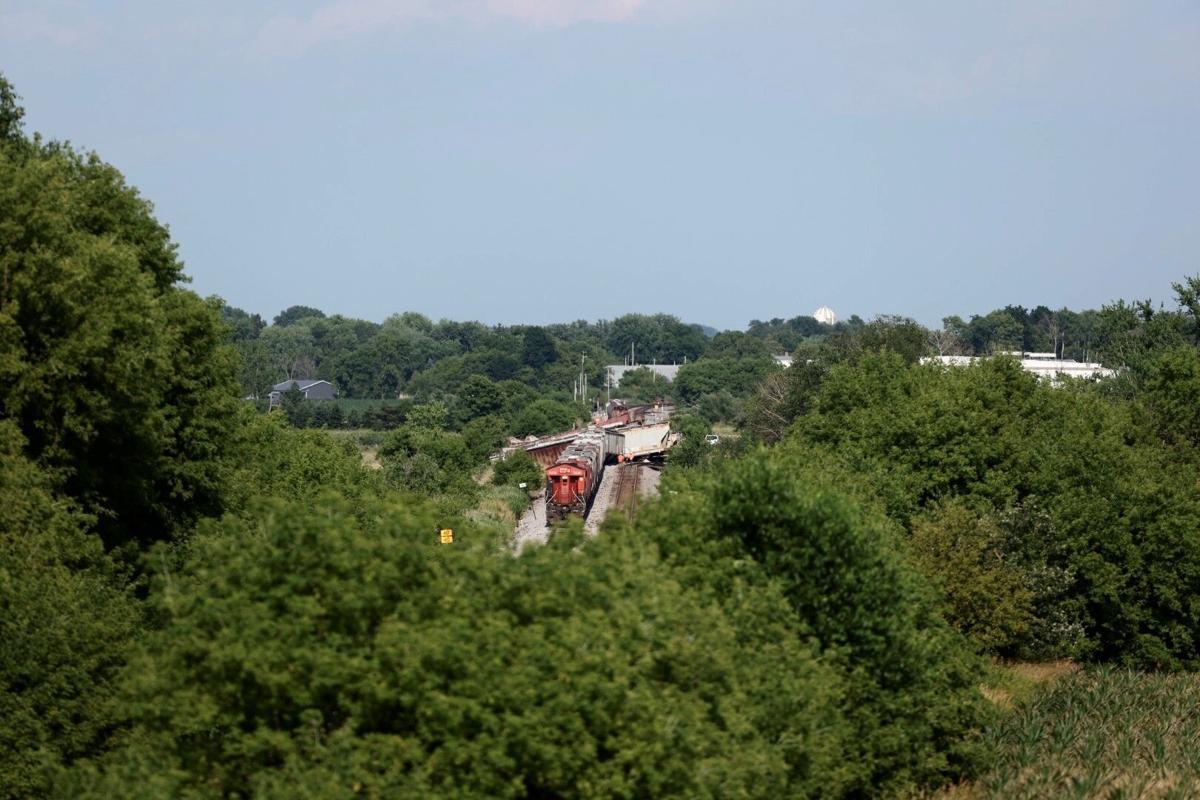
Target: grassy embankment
(1094, 733)
(499, 505)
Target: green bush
(986, 589)
(518, 468)
(297, 465)
(911, 693)
(317, 655)
(1118, 555)
(66, 623)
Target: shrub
(317, 655)
(986, 589)
(518, 468)
(1119, 507)
(911, 693)
(66, 622)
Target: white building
(1045, 365)
(617, 371)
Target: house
(311, 389)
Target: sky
(721, 160)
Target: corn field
(1102, 733)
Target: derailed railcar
(630, 442)
(572, 480)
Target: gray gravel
(531, 527)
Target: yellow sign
(447, 535)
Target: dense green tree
(123, 391)
(691, 449)
(295, 407)
(547, 415)
(987, 592)
(995, 438)
(476, 397)
(537, 348)
(298, 465)
(735, 344)
(569, 671)
(781, 335)
(896, 334)
(642, 385)
(484, 436)
(66, 623)
(11, 114)
(243, 326)
(911, 693)
(711, 375)
(289, 351)
(518, 468)
(1171, 391)
(294, 314)
(421, 456)
(656, 338)
(327, 414)
(782, 398)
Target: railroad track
(628, 488)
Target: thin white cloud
(33, 26)
(565, 12)
(345, 19)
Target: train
(574, 477)
(572, 480)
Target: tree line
(410, 357)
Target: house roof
(302, 384)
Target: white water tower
(825, 316)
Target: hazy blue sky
(540, 160)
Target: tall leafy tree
(293, 314)
(538, 348)
(120, 380)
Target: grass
(1095, 733)
(360, 404)
(726, 431)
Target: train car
(572, 480)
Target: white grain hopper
(635, 441)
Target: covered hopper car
(572, 480)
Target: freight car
(572, 480)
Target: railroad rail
(628, 488)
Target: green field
(360, 404)
(1097, 733)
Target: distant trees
(294, 314)
(659, 338)
(538, 348)
(642, 385)
(712, 375)
(243, 326)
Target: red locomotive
(572, 481)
